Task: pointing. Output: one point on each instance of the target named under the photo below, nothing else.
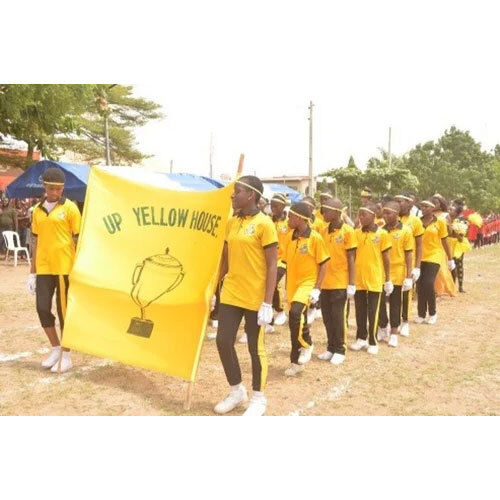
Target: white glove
(388, 287)
(31, 284)
(451, 265)
(351, 290)
(265, 314)
(407, 284)
(314, 295)
(415, 273)
(213, 301)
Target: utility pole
(211, 154)
(311, 180)
(171, 166)
(389, 149)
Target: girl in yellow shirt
(305, 255)
(248, 267)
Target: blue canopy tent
(293, 195)
(29, 184)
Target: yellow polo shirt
(369, 266)
(415, 223)
(402, 241)
(55, 250)
(319, 221)
(245, 282)
(338, 242)
(302, 257)
(282, 230)
(432, 248)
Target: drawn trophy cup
(153, 278)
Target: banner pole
(189, 396)
(240, 166)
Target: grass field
(451, 368)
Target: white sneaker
(66, 363)
(405, 329)
(337, 359)
(373, 349)
(52, 358)
(305, 354)
(325, 356)
(358, 345)
(419, 320)
(294, 369)
(393, 341)
(257, 407)
(280, 319)
(235, 398)
(311, 316)
(211, 335)
(319, 314)
(243, 339)
(432, 319)
(214, 323)
(269, 329)
(383, 334)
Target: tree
(124, 113)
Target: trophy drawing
(153, 278)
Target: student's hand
(388, 287)
(415, 273)
(451, 265)
(265, 314)
(351, 291)
(407, 284)
(213, 301)
(314, 295)
(31, 284)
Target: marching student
(55, 228)
(372, 264)
(400, 256)
(305, 256)
(280, 219)
(434, 241)
(366, 197)
(407, 217)
(338, 285)
(248, 268)
(458, 242)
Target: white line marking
(18, 355)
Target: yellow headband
(278, 199)
(299, 215)
(367, 209)
(391, 210)
(366, 193)
(309, 203)
(429, 203)
(53, 183)
(332, 208)
(326, 195)
(403, 197)
(248, 186)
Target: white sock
(56, 348)
(237, 388)
(259, 394)
(66, 355)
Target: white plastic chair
(13, 244)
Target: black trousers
(277, 302)
(458, 272)
(229, 321)
(395, 302)
(215, 313)
(334, 311)
(367, 308)
(46, 286)
(425, 289)
(299, 329)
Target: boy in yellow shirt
(372, 264)
(338, 286)
(55, 228)
(400, 256)
(305, 256)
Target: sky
(247, 78)
(246, 71)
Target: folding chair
(13, 244)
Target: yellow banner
(145, 271)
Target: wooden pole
(311, 179)
(189, 396)
(240, 166)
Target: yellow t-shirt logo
(250, 230)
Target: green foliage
(59, 118)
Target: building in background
(298, 182)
